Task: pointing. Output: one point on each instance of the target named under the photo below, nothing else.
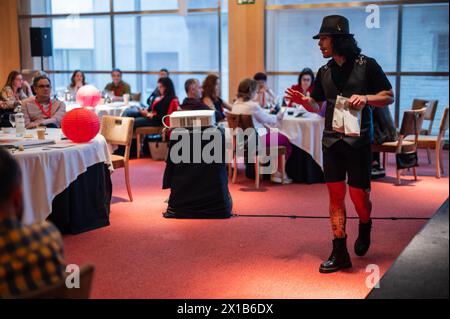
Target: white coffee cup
(126, 99)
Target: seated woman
(211, 96)
(163, 105)
(42, 110)
(77, 80)
(305, 85)
(12, 95)
(245, 104)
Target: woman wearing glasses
(42, 110)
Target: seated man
(193, 101)
(31, 257)
(42, 110)
(194, 94)
(265, 97)
(117, 87)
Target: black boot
(339, 259)
(362, 244)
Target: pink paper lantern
(88, 95)
(80, 125)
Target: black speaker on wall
(41, 42)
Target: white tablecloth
(306, 133)
(112, 109)
(47, 172)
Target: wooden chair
(435, 142)
(146, 130)
(430, 114)
(59, 290)
(136, 96)
(119, 131)
(411, 125)
(243, 122)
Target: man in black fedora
(351, 84)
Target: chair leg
(283, 168)
(399, 181)
(234, 170)
(138, 145)
(439, 163)
(257, 172)
(415, 173)
(429, 155)
(384, 159)
(127, 181)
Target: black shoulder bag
(408, 160)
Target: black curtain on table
(302, 168)
(85, 204)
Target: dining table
(304, 131)
(64, 182)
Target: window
(441, 52)
(287, 2)
(421, 23)
(424, 50)
(136, 36)
(424, 87)
(290, 46)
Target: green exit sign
(246, 1)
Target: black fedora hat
(334, 25)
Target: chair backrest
(59, 290)
(412, 122)
(431, 109)
(118, 131)
(243, 121)
(444, 122)
(136, 96)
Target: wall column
(245, 41)
(9, 39)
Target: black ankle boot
(339, 259)
(362, 244)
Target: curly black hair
(346, 46)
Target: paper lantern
(80, 125)
(88, 95)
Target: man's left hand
(358, 101)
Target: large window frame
(219, 10)
(398, 73)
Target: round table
(48, 170)
(305, 132)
